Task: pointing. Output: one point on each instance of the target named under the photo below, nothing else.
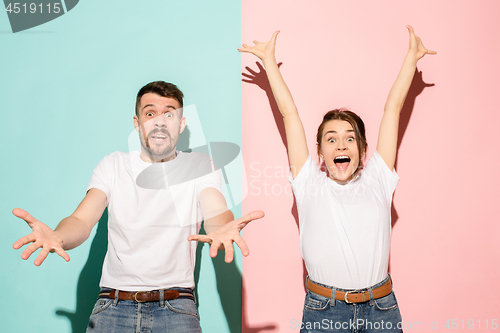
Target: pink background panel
(445, 249)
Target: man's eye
(169, 115)
(149, 114)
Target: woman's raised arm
(388, 133)
(295, 136)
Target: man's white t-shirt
(152, 209)
(345, 230)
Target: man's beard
(158, 152)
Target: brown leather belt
(351, 296)
(147, 296)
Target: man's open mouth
(342, 162)
(158, 136)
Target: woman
(344, 213)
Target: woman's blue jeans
(114, 316)
(322, 314)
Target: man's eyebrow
(145, 106)
(167, 106)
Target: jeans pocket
(385, 303)
(183, 306)
(316, 302)
(101, 305)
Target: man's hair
(161, 88)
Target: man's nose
(159, 121)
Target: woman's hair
(357, 125)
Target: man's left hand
(224, 237)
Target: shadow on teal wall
(88, 281)
(229, 287)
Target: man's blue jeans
(322, 314)
(113, 316)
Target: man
(156, 199)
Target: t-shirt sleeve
(210, 179)
(378, 171)
(101, 176)
(309, 171)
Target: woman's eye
(331, 140)
(350, 139)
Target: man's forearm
(215, 222)
(73, 232)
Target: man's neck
(149, 158)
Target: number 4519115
(471, 324)
(33, 8)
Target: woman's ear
(319, 153)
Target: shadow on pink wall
(245, 326)
(417, 86)
(260, 79)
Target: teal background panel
(67, 95)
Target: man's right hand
(41, 237)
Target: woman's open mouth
(342, 162)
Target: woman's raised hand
(261, 49)
(416, 45)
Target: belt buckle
(135, 296)
(346, 293)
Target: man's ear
(183, 125)
(136, 123)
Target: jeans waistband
(179, 289)
(360, 289)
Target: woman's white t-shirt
(345, 230)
